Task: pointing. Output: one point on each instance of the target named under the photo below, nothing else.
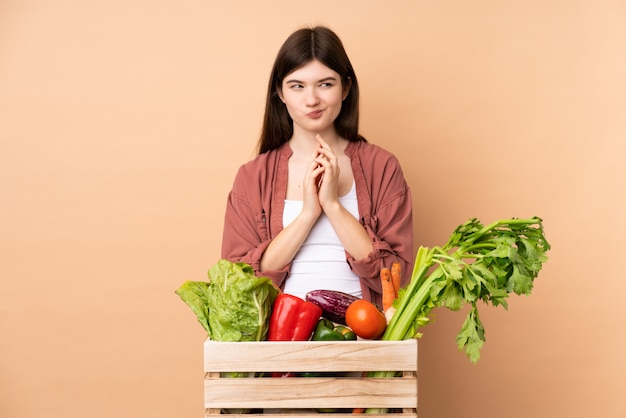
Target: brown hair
(301, 47)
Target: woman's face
(313, 95)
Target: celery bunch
(478, 263)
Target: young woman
(319, 207)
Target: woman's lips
(315, 114)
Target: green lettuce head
(235, 305)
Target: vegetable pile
(478, 263)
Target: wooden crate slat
(296, 392)
(311, 356)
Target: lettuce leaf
(234, 305)
(194, 294)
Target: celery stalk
(478, 263)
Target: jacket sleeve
(245, 236)
(390, 226)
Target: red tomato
(365, 319)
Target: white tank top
(321, 261)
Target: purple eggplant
(333, 303)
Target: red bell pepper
(292, 319)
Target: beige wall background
(122, 124)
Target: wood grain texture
(366, 355)
(347, 387)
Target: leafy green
(194, 294)
(478, 263)
(234, 305)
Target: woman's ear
(346, 89)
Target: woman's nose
(311, 98)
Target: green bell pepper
(327, 331)
(347, 332)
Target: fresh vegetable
(293, 319)
(365, 319)
(396, 277)
(389, 314)
(235, 305)
(347, 333)
(478, 263)
(333, 303)
(389, 294)
(325, 331)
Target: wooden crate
(302, 396)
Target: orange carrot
(389, 294)
(396, 277)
